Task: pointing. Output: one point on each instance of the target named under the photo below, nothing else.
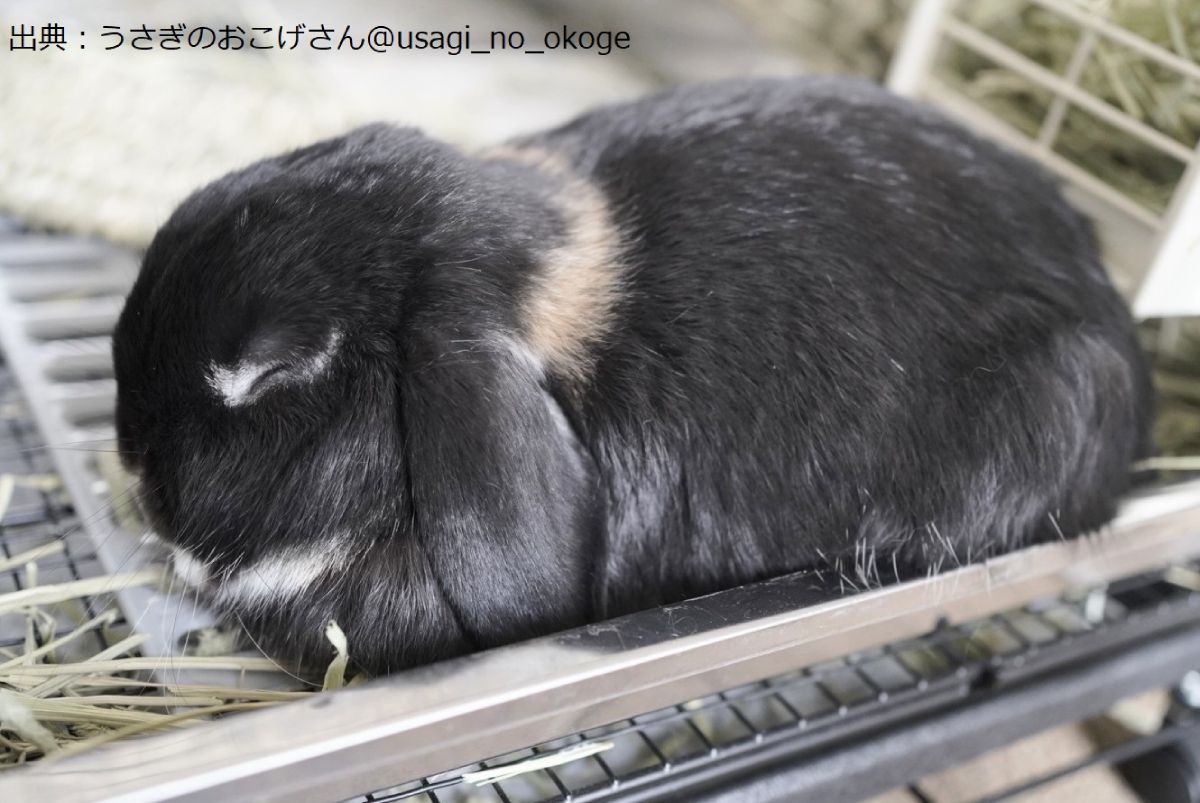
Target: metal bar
(905, 753)
(1007, 57)
(435, 718)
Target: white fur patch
(234, 384)
(188, 569)
(320, 361)
(282, 576)
(240, 383)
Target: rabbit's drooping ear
(505, 499)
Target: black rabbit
(454, 400)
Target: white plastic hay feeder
(1153, 253)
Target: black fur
(849, 336)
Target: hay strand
(31, 556)
(51, 707)
(61, 592)
(507, 772)
(19, 718)
(335, 674)
(1188, 463)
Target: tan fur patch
(570, 307)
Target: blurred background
(105, 141)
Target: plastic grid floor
(34, 518)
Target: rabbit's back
(848, 335)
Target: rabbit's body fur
(709, 337)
